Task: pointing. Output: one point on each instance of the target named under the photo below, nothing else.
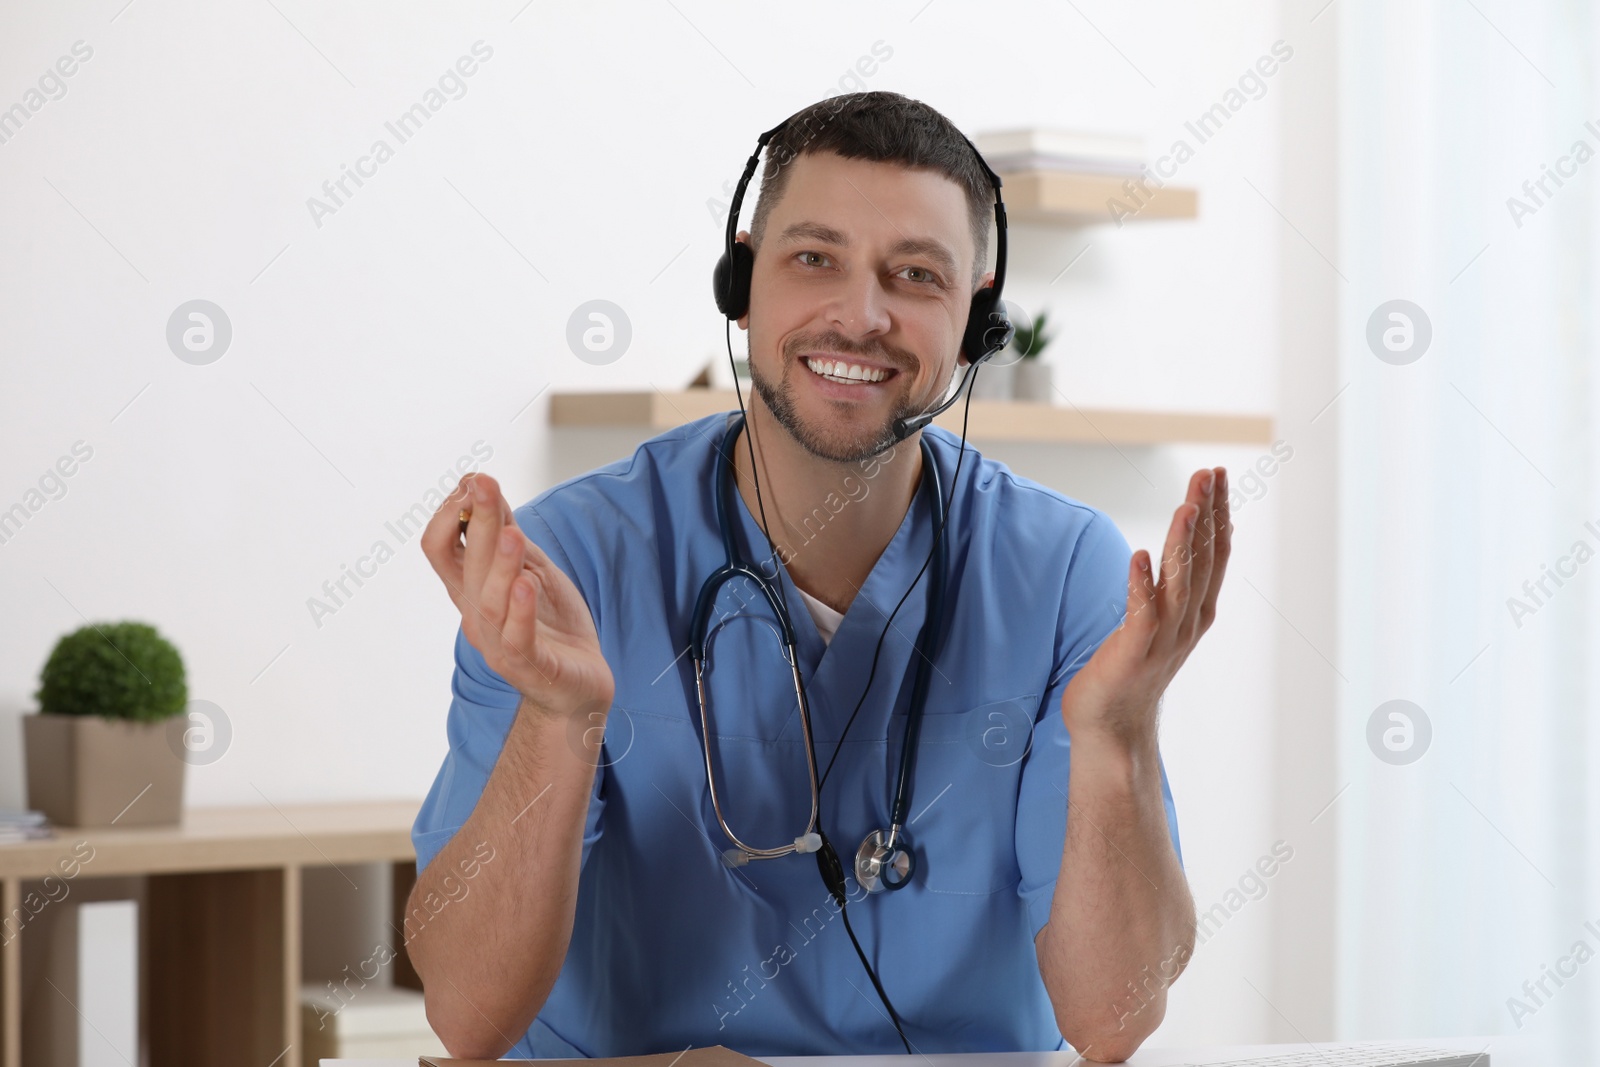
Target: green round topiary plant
(123, 670)
(1031, 339)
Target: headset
(988, 329)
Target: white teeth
(838, 370)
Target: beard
(831, 441)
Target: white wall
(372, 351)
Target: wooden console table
(219, 938)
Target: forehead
(869, 201)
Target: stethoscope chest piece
(880, 865)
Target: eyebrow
(913, 246)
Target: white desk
(1503, 1052)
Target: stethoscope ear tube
(885, 860)
(809, 841)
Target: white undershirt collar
(826, 618)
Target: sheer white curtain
(1467, 477)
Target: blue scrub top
(670, 947)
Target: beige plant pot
(993, 381)
(84, 770)
(1034, 381)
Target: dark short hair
(881, 127)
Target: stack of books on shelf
(23, 826)
(1073, 151)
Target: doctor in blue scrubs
(583, 890)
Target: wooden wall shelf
(992, 420)
(1079, 199)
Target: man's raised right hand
(517, 607)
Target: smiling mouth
(845, 372)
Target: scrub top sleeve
(1095, 601)
(482, 708)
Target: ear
(983, 283)
(743, 237)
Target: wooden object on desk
(1080, 199)
(707, 1056)
(219, 937)
(654, 410)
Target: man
(606, 921)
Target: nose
(859, 309)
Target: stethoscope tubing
(919, 685)
(699, 633)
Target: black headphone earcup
(989, 328)
(731, 280)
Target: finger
(522, 620)
(1142, 617)
(495, 596)
(534, 558)
(537, 564)
(470, 481)
(441, 540)
(1203, 487)
(1172, 588)
(506, 514)
(482, 531)
(1223, 522)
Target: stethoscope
(885, 859)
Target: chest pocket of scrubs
(964, 796)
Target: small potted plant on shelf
(996, 376)
(1032, 379)
(99, 751)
